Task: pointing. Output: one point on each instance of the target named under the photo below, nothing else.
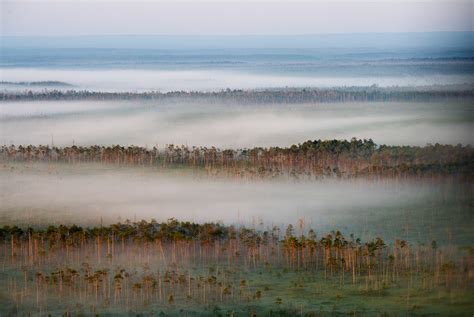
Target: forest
(265, 96)
(236, 158)
(310, 159)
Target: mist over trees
(201, 141)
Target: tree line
(268, 96)
(310, 159)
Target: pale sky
(108, 17)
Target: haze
(232, 17)
(88, 193)
(151, 124)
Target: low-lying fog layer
(88, 193)
(150, 123)
(211, 80)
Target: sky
(225, 17)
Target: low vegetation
(221, 270)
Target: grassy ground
(281, 294)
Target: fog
(88, 193)
(210, 80)
(148, 123)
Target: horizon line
(241, 35)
